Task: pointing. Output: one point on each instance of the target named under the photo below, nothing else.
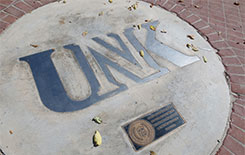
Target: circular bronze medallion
(141, 132)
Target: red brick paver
(220, 21)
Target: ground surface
(221, 22)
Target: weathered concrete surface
(198, 90)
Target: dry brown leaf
(129, 8)
(33, 45)
(190, 36)
(148, 20)
(152, 153)
(101, 13)
(151, 5)
(163, 31)
(236, 3)
(62, 21)
(11, 132)
(84, 33)
(196, 6)
(180, 1)
(188, 45)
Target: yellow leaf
(134, 6)
(84, 33)
(152, 28)
(139, 26)
(110, 1)
(195, 49)
(204, 59)
(97, 139)
(142, 53)
(97, 120)
(152, 153)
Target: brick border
(231, 51)
(234, 140)
(11, 10)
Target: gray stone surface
(199, 90)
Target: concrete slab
(33, 120)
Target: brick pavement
(221, 22)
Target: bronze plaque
(152, 126)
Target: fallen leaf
(236, 3)
(134, 6)
(62, 21)
(204, 59)
(196, 6)
(152, 28)
(195, 49)
(11, 132)
(191, 37)
(101, 13)
(32, 45)
(152, 153)
(97, 139)
(188, 45)
(84, 33)
(64, 1)
(129, 8)
(180, 1)
(110, 1)
(97, 120)
(151, 5)
(139, 26)
(163, 31)
(142, 53)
